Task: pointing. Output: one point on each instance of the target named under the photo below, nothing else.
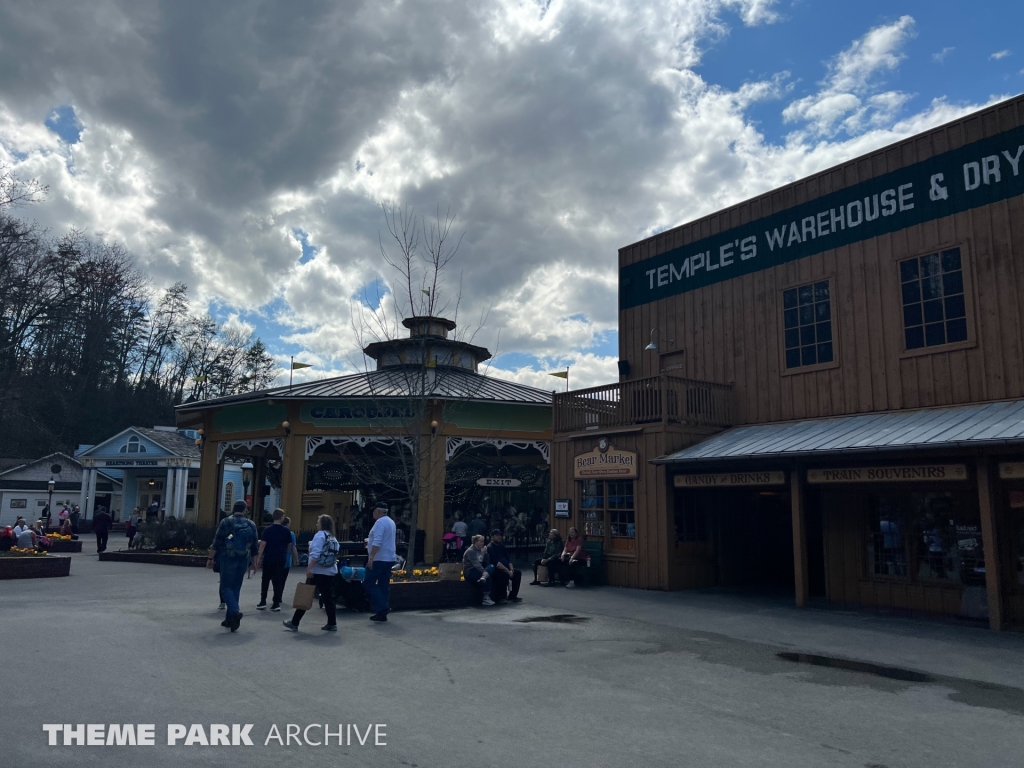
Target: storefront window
(925, 537)
(1017, 517)
(608, 512)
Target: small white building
(24, 489)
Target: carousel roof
(441, 383)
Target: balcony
(661, 399)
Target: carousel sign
(605, 461)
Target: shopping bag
(303, 599)
(450, 571)
(542, 574)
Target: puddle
(558, 618)
(892, 673)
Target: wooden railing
(667, 399)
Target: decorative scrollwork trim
(233, 445)
(314, 442)
(454, 444)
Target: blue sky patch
(308, 249)
(64, 122)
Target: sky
(246, 147)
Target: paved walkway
(652, 680)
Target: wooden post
(663, 395)
(796, 496)
(208, 502)
(990, 542)
(293, 479)
(432, 480)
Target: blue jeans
(232, 574)
(378, 585)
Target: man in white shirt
(380, 545)
(20, 526)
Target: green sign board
(358, 413)
(499, 416)
(977, 174)
(249, 417)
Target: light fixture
(200, 432)
(152, 483)
(287, 427)
(653, 346)
(199, 441)
(433, 426)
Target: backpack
(239, 543)
(328, 556)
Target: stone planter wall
(156, 558)
(65, 546)
(37, 567)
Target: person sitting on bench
(573, 556)
(475, 567)
(506, 578)
(549, 558)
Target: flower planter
(65, 546)
(433, 595)
(34, 567)
(156, 558)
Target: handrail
(667, 399)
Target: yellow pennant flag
(297, 366)
(560, 374)
(199, 378)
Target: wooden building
(425, 416)
(881, 300)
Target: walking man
(275, 546)
(101, 523)
(381, 547)
(74, 517)
(236, 543)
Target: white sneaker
(571, 585)
(488, 601)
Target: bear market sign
(605, 461)
(973, 175)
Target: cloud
(244, 149)
(845, 101)
(940, 57)
(1000, 55)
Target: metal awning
(933, 429)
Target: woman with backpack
(321, 570)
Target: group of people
(560, 559)
(489, 565)
(238, 549)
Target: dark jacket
(101, 522)
(553, 548)
(498, 554)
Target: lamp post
(247, 470)
(49, 505)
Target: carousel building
(425, 424)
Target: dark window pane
(792, 358)
(825, 353)
(823, 311)
(912, 315)
(956, 330)
(915, 337)
(792, 318)
(934, 334)
(955, 307)
(911, 292)
(931, 287)
(908, 270)
(807, 356)
(951, 260)
(792, 338)
(789, 298)
(807, 334)
(824, 332)
(806, 294)
(806, 314)
(932, 311)
(821, 291)
(930, 265)
(953, 283)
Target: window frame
(606, 511)
(829, 278)
(966, 270)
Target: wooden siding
(731, 330)
(649, 565)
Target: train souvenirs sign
(605, 461)
(896, 474)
